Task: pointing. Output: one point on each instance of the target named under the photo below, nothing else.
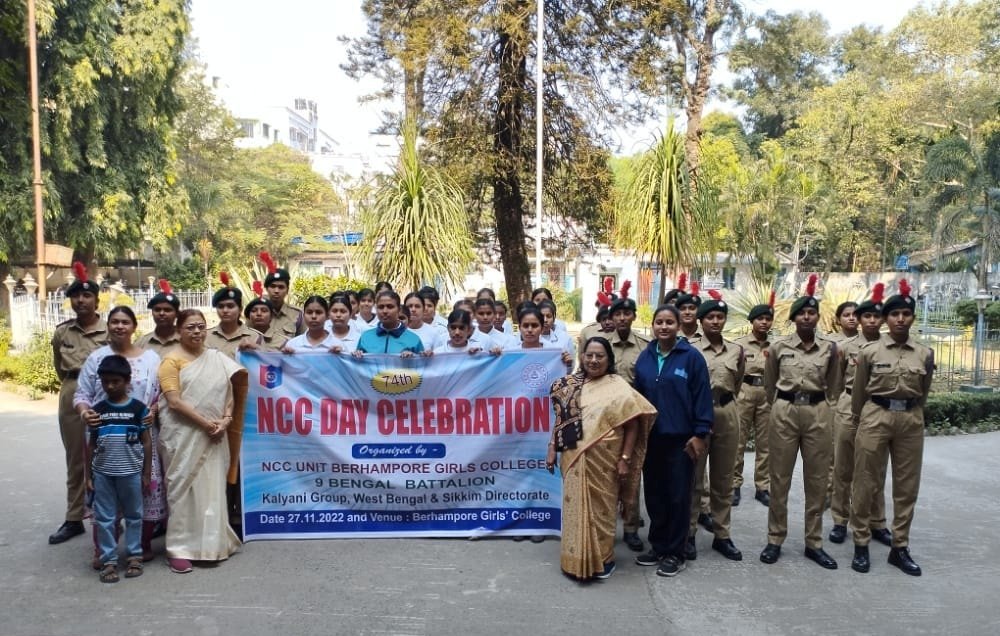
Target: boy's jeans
(110, 495)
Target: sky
(268, 52)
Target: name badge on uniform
(882, 365)
(749, 356)
(681, 373)
(787, 356)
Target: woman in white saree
(201, 415)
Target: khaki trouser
(845, 429)
(795, 428)
(883, 433)
(722, 447)
(755, 415)
(73, 432)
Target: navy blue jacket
(681, 391)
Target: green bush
(33, 368)
(321, 285)
(950, 413)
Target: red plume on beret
(268, 262)
(623, 292)
(682, 281)
(904, 287)
(695, 288)
(878, 293)
(224, 277)
(80, 271)
(258, 288)
(811, 285)
(165, 286)
(770, 299)
(714, 293)
(609, 285)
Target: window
(265, 131)
(246, 128)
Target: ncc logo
(270, 376)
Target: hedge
(951, 413)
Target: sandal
(134, 568)
(109, 574)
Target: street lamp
(982, 298)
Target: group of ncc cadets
(846, 401)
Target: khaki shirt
(274, 339)
(754, 354)
(288, 321)
(161, 347)
(626, 352)
(71, 344)
(726, 366)
(229, 345)
(791, 366)
(588, 332)
(892, 370)
(849, 350)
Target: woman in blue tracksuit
(674, 377)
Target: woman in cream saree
(201, 413)
(601, 430)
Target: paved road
(449, 586)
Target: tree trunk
(508, 202)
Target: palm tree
(965, 167)
(416, 231)
(652, 213)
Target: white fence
(27, 318)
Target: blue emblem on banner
(270, 376)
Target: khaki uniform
(845, 429)
(838, 338)
(626, 353)
(898, 377)
(800, 383)
(726, 368)
(274, 339)
(754, 412)
(161, 346)
(288, 321)
(230, 345)
(71, 344)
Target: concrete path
(455, 587)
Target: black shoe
(763, 496)
(770, 553)
(706, 522)
(861, 562)
(648, 558)
(883, 536)
(670, 566)
(822, 558)
(736, 496)
(838, 533)
(900, 557)
(727, 549)
(66, 531)
(633, 541)
(690, 550)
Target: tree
(477, 101)
(107, 77)
(777, 66)
(649, 214)
(416, 232)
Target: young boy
(119, 462)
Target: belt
(71, 375)
(802, 397)
(753, 380)
(724, 399)
(893, 404)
